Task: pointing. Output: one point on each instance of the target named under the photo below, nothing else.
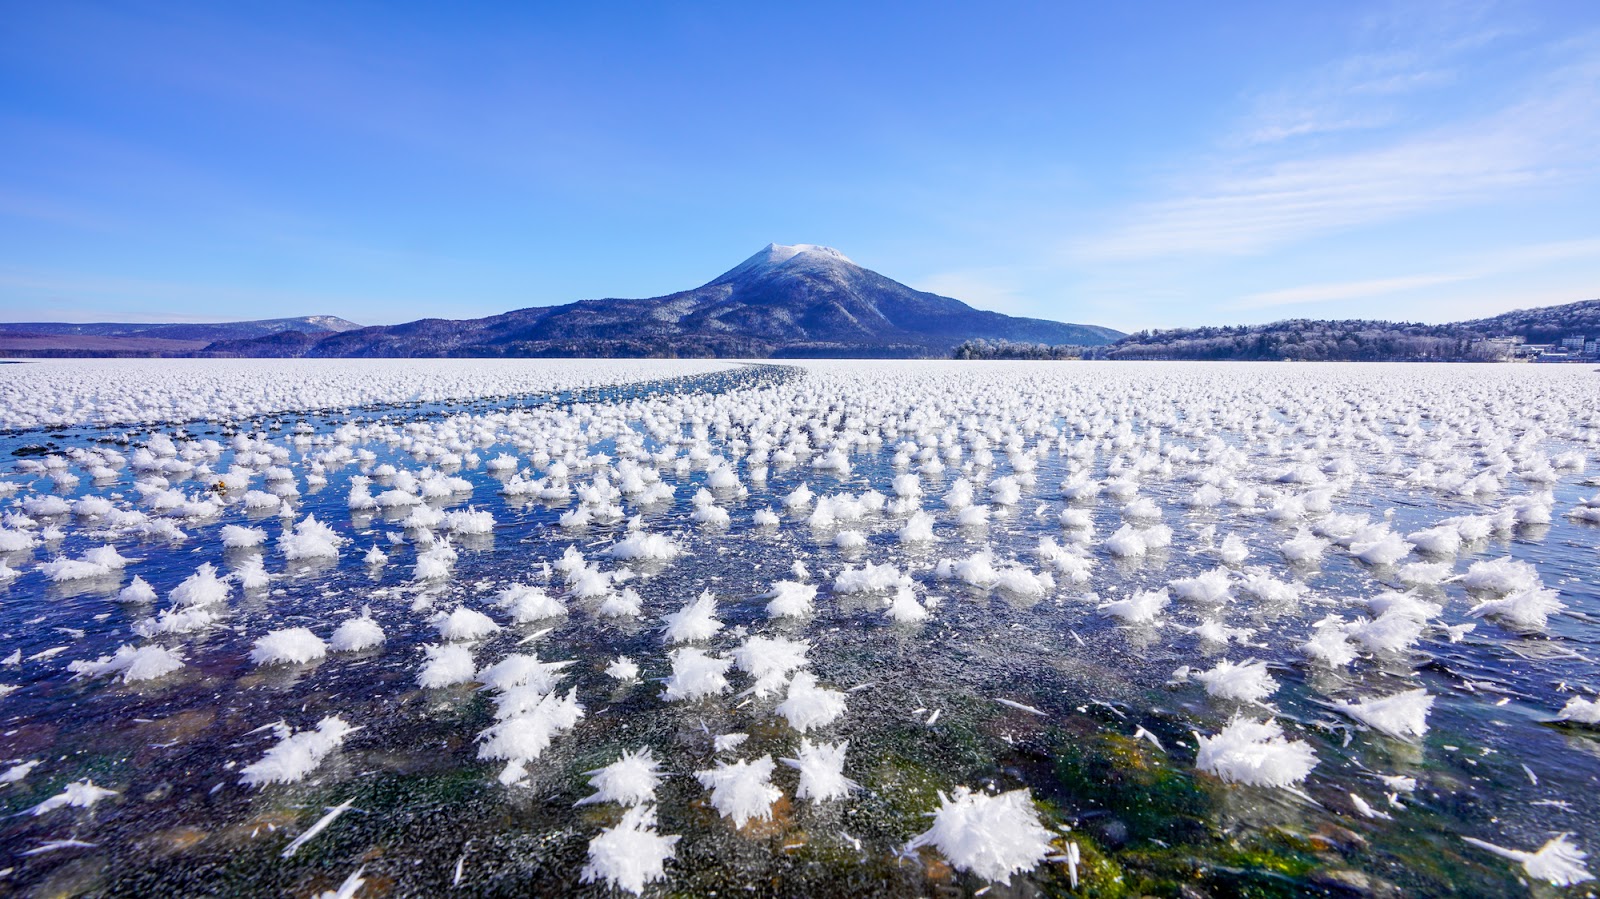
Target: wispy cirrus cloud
(994, 289)
(1253, 214)
(1507, 261)
(34, 295)
(1354, 94)
(1345, 290)
(1370, 163)
(1402, 53)
(1259, 207)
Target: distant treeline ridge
(1480, 340)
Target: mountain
(149, 338)
(785, 301)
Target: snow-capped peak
(331, 322)
(777, 255)
(777, 252)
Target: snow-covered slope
(795, 257)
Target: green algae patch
(1130, 790)
(909, 790)
(1219, 871)
(1100, 874)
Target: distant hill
(1357, 340)
(149, 338)
(1547, 324)
(1307, 339)
(785, 301)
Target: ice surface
(957, 568)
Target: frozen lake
(1235, 628)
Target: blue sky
(1132, 165)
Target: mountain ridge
(149, 338)
(785, 301)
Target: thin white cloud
(1307, 122)
(1408, 50)
(28, 295)
(1507, 261)
(1270, 191)
(91, 316)
(1491, 301)
(1354, 94)
(1542, 253)
(1248, 212)
(1348, 290)
(991, 289)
